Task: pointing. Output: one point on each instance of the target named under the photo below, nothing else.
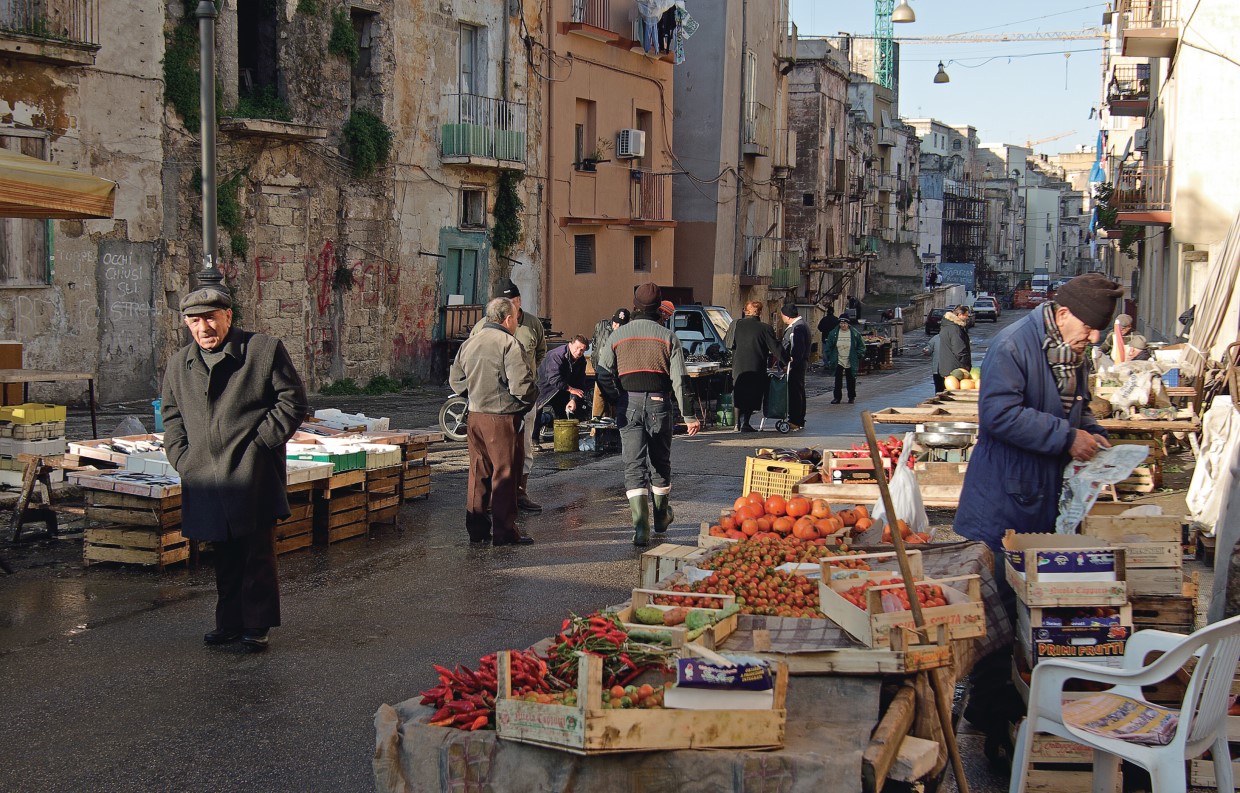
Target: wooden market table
(27, 376)
(931, 414)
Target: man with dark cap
(955, 348)
(1034, 418)
(640, 368)
(842, 357)
(533, 340)
(796, 350)
(601, 333)
(231, 400)
(1034, 413)
(828, 323)
(1136, 348)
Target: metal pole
(209, 275)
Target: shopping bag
(905, 495)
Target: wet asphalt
(107, 685)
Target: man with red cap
(641, 367)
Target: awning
(32, 188)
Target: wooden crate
(1201, 774)
(297, 530)
(664, 560)
(340, 507)
(812, 486)
(711, 638)
(1175, 613)
(413, 451)
(1155, 581)
(588, 729)
(122, 509)
(384, 488)
(1065, 778)
(416, 482)
(872, 625)
(1031, 552)
(1144, 479)
(135, 545)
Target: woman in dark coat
(752, 343)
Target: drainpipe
(738, 242)
(548, 181)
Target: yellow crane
(1029, 144)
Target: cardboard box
(1101, 644)
(1064, 570)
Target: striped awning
(33, 188)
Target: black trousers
(247, 582)
(796, 393)
(842, 372)
(938, 383)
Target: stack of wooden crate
(340, 507)
(136, 517)
(416, 475)
(1201, 772)
(383, 493)
(1147, 477)
(297, 530)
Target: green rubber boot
(663, 515)
(640, 507)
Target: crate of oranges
(756, 516)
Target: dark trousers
(796, 393)
(842, 372)
(247, 582)
(938, 383)
(496, 452)
(645, 422)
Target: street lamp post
(206, 12)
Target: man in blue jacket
(1034, 413)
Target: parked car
(986, 308)
(934, 320)
(701, 330)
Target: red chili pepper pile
(466, 700)
(603, 635)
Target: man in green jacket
(492, 371)
(231, 400)
(843, 353)
(529, 332)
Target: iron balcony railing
(69, 21)
(479, 126)
(1150, 14)
(648, 195)
(1143, 187)
(595, 13)
(1129, 81)
(885, 182)
(766, 255)
(756, 129)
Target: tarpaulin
(33, 188)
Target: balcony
(885, 182)
(483, 132)
(772, 261)
(756, 129)
(1143, 194)
(1150, 28)
(785, 155)
(866, 245)
(885, 136)
(64, 32)
(1128, 90)
(650, 198)
(786, 42)
(592, 19)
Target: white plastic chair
(1202, 714)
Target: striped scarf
(1064, 361)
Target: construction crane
(1029, 144)
(884, 48)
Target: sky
(1008, 99)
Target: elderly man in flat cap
(231, 400)
(1034, 413)
(640, 368)
(1136, 348)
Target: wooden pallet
(132, 545)
(340, 507)
(416, 482)
(111, 508)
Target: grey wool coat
(225, 431)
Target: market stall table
(707, 383)
(27, 376)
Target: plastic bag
(905, 495)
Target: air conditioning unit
(1141, 139)
(630, 143)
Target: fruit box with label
(1064, 570)
(724, 617)
(588, 728)
(1089, 634)
(843, 465)
(869, 615)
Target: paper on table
(1082, 482)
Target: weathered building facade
(356, 191)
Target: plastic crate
(772, 477)
(1171, 378)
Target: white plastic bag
(905, 495)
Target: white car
(986, 308)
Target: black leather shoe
(255, 640)
(749, 428)
(522, 539)
(852, 400)
(479, 540)
(220, 636)
(835, 401)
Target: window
(583, 254)
(23, 241)
(956, 144)
(641, 254)
(473, 207)
(258, 70)
(460, 276)
(807, 199)
(470, 57)
(364, 27)
(585, 141)
(1048, 250)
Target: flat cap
(647, 296)
(790, 310)
(204, 301)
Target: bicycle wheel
(453, 417)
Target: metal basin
(946, 435)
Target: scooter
(454, 418)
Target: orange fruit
(776, 505)
(819, 508)
(783, 525)
(798, 506)
(750, 527)
(740, 502)
(756, 498)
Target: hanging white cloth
(1212, 478)
(1226, 535)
